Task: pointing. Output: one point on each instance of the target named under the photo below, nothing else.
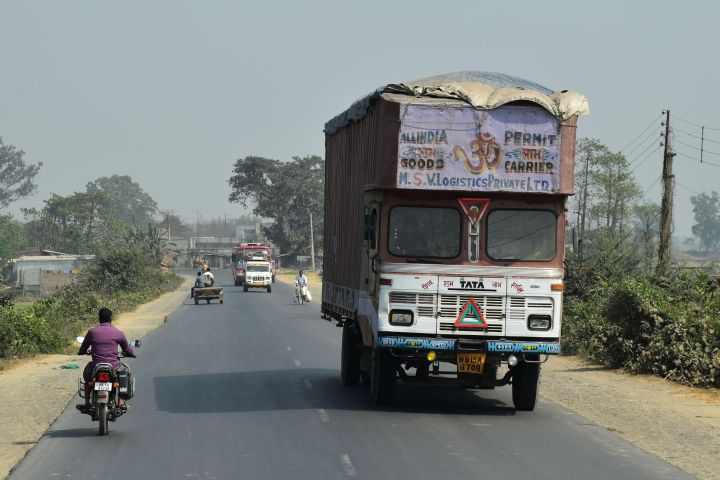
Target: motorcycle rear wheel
(103, 419)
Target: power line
(695, 124)
(651, 185)
(697, 159)
(653, 135)
(675, 129)
(641, 133)
(698, 149)
(644, 159)
(687, 188)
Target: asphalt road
(250, 389)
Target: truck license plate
(103, 387)
(470, 362)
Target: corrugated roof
(482, 90)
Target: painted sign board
(507, 149)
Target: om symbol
(486, 149)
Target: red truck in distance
(245, 251)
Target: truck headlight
(401, 318)
(539, 322)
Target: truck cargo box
(473, 132)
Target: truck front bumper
(449, 344)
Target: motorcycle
(109, 390)
(302, 295)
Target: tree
(175, 224)
(588, 150)
(286, 193)
(79, 223)
(12, 237)
(614, 191)
(707, 219)
(646, 221)
(130, 203)
(16, 176)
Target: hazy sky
(172, 92)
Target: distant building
(39, 275)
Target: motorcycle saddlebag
(127, 383)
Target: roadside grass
(50, 324)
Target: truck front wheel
(382, 377)
(525, 380)
(350, 357)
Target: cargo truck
(445, 214)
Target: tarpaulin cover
(483, 90)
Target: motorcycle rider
(102, 340)
(301, 283)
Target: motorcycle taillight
(103, 377)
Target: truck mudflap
(448, 344)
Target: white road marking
(289, 349)
(481, 424)
(347, 465)
(297, 362)
(308, 384)
(323, 415)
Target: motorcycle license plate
(103, 386)
(470, 362)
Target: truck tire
(245, 288)
(525, 380)
(269, 289)
(350, 357)
(382, 377)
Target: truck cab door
(371, 243)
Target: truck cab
(258, 274)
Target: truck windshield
(424, 232)
(521, 235)
(258, 268)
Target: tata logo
(471, 284)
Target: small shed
(41, 275)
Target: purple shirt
(104, 340)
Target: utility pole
(667, 199)
(167, 223)
(312, 244)
(584, 205)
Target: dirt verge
(33, 392)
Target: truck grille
(519, 306)
(492, 307)
(423, 303)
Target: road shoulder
(677, 423)
(35, 391)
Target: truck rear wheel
(382, 377)
(525, 380)
(269, 289)
(245, 288)
(350, 357)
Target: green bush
(668, 327)
(120, 279)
